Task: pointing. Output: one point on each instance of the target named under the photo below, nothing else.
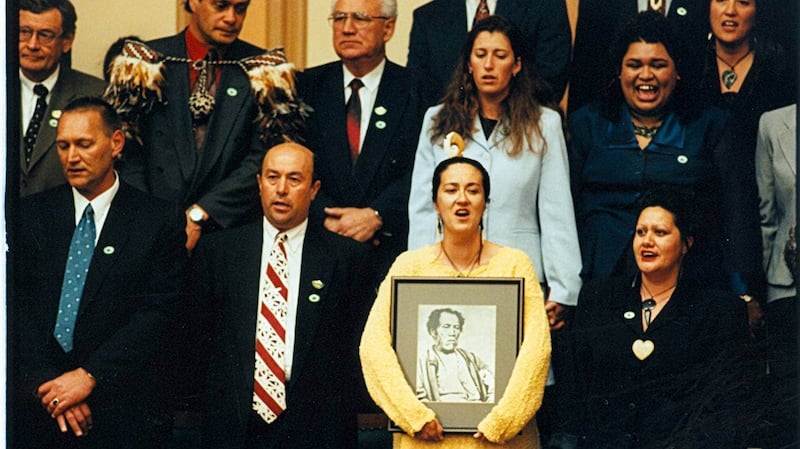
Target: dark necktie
(81, 249)
(658, 6)
(353, 109)
(481, 13)
(269, 383)
(36, 120)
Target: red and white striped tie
(269, 387)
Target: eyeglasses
(45, 37)
(360, 18)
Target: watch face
(196, 215)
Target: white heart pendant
(643, 348)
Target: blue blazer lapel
(312, 302)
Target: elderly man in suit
(364, 137)
(277, 296)
(776, 173)
(440, 29)
(598, 23)
(46, 33)
(100, 268)
(202, 142)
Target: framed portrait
(457, 340)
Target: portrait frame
(412, 296)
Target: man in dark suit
(100, 268)
(237, 274)
(202, 143)
(440, 29)
(46, 33)
(598, 23)
(365, 186)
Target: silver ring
(55, 402)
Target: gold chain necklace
(474, 262)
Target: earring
(439, 231)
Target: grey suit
(45, 170)
(776, 173)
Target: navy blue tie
(36, 120)
(80, 256)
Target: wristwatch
(746, 298)
(196, 214)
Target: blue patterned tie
(80, 256)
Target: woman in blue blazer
(649, 131)
(493, 103)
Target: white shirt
(472, 7)
(643, 5)
(366, 94)
(28, 98)
(294, 259)
(101, 204)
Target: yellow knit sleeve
(382, 372)
(525, 389)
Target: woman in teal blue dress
(649, 131)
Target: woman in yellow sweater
(460, 196)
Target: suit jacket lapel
(54, 235)
(110, 244)
(332, 124)
(176, 94)
(312, 302)
(392, 98)
(454, 26)
(232, 91)
(787, 142)
(46, 139)
(245, 275)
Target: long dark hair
(521, 109)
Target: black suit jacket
(221, 177)
(381, 177)
(598, 23)
(439, 31)
(226, 275)
(127, 309)
(44, 171)
(612, 397)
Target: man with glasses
(364, 132)
(46, 34)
